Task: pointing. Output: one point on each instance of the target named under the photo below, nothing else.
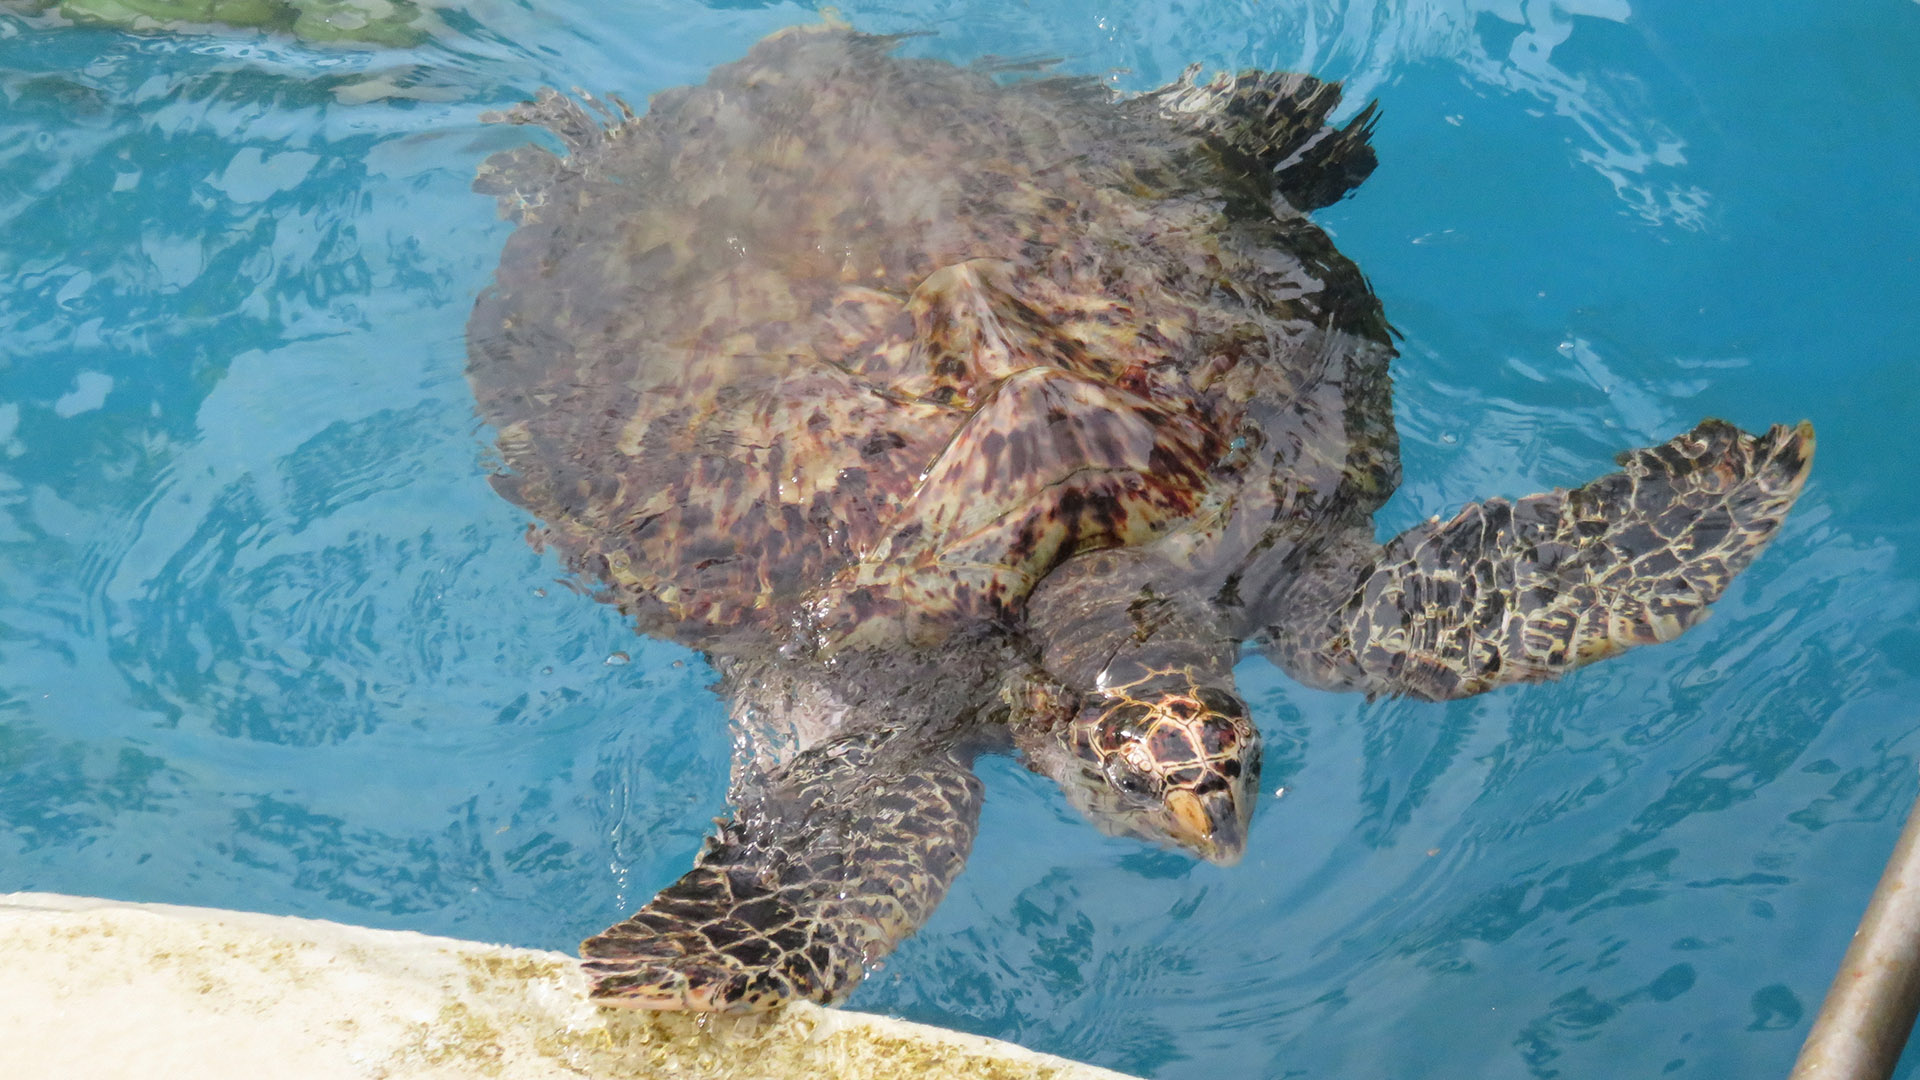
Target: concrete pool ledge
(101, 988)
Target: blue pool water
(268, 640)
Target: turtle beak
(1212, 826)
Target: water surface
(267, 639)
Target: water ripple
(268, 640)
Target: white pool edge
(94, 988)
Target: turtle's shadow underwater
(948, 415)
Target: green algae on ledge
(389, 23)
(227, 991)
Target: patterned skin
(946, 415)
(1633, 558)
(791, 899)
(1170, 758)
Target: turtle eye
(1128, 780)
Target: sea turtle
(947, 411)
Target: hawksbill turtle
(947, 413)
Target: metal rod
(1869, 1011)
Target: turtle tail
(830, 864)
(1273, 124)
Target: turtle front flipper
(1525, 591)
(837, 857)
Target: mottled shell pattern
(852, 343)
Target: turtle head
(1168, 758)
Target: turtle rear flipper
(1525, 591)
(833, 861)
(1273, 124)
